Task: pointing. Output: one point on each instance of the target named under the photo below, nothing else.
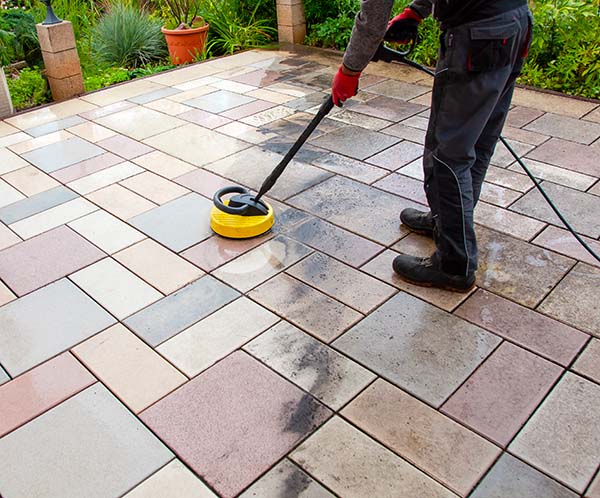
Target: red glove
(344, 86)
(404, 27)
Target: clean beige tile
(121, 202)
(233, 86)
(136, 374)
(115, 288)
(92, 132)
(9, 161)
(158, 266)
(6, 129)
(30, 180)
(52, 218)
(107, 232)
(173, 480)
(15, 138)
(9, 194)
(352, 465)
(140, 122)
(122, 92)
(6, 296)
(434, 443)
(203, 344)
(7, 237)
(270, 96)
(167, 106)
(154, 187)
(104, 178)
(164, 165)
(245, 132)
(50, 113)
(36, 143)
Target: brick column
(61, 60)
(291, 23)
(6, 107)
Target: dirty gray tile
(345, 166)
(570, 155)
(178, 224)
(357, 119)
(152, 96)
(406, 187)
(355, 142)
(406, 132)
(517, 270)
(305, 307)
(62, 154)
(336, 242)
(176, 312)
(307, 102)
(556, 174)
(580, 209)
(575, 299)
(561, 438)
(344, 283)
(261, 263)
(367, 211)
(297, 177)
(36, 204)
(398, 89)
(387, 108)
(219, 101)
(519, 116)
(108, 454)
(61, 124)
(497, 195)
(286, 479)
(418, 347)
(502, 157)
(330, 377)
(588, 363)
(281, 145)
(510, 477)
(397, 156)
(28, 325)
(576, 130)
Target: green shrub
(18, 37)
(127, 37)
(95, 79)
(83, 14)
(28, 89)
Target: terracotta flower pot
(185, 44)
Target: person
(483, 45)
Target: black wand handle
(276, 173)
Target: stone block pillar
(291, 23)
(61, 60)
(6, 107)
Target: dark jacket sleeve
(369, 28)
(422, 7)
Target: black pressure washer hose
(386, 54)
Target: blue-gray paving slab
(47, 322)
(512, 478)
(172, 314)
(178, 224)
(219, 101)
(418, 347)
(62, 154)
(152, 96)
(88, 446)
(61, 124)
(3, 376)
(36, 204)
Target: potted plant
(186, 41)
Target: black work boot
(418, 221)
(427, 272)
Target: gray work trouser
(475, 78)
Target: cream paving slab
(561, 438)
(232, 86)
(115, 288)
(6, 129)
(110, 452)
(164, 165)
(174, 479)
(200, 82)
(216, 336)
(54, 126)
(497, 195)
(158, 266)
(36, 143)
(188, 73)
(133, 371)
(167, 106)
(270, 96)
(15, 138)
(86, 167)
(594, 491)
(104, 178)
(245, 132)
(588, 363)
(196, 145)
(99, 112)
(52, 218)
(8, 194)
(105, 231)
(353, 465)
(50, 113)
(7, 237)
(121, 202)
(434, 443)
(117, 93)
(154, 187)
(30, 180)
(329, 376)
(9, 161)
(509, 222)
(548, 102)
(140, 123)
(194, 93)
(6, 295)
(92, 132)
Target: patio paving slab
(31, 264)
(3, 376)
(588, 363)
(40, 389)
(92, 132)
(568, 155)
(355, 142)
(432, 442)
(403, 186)
(61, 124)
(6, 296)
(329, 376)
(594, 491)
(104, 178)
(154, 187)
(511, 477)
(28, 325)
(8, 194)
(560, 438)
(563, 242)
(351, 168)
(387, 108)
(135, 373)
(30, 180)
(354, 466)
(508, 222)
(139, 122)
(212, 436)
(219, 101)
(397, 156)
(178, 311)
(124, 146)
(216, 336)
(575, 301)
(109, 454)
(7, 237)
(164, 165)
(575, 130)
(501, 395)
(62, 154)
(418, 347)
(556, 174)
(86, 167)
(121, 202)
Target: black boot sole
(448, 287)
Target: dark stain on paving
(295, 483)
